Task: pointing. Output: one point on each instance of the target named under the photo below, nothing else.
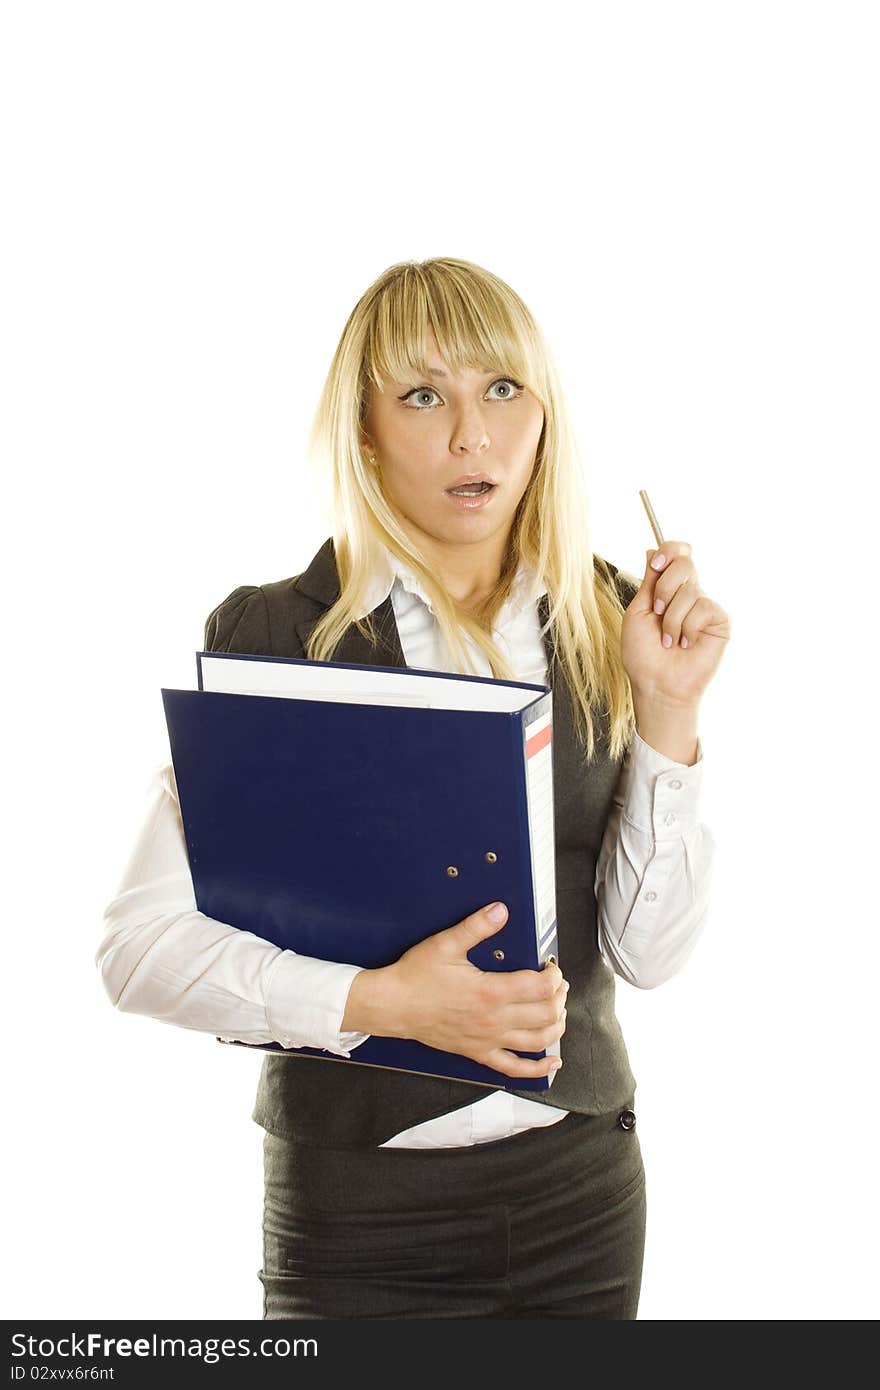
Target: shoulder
(625, 585)
(263, 619)
(240, 623)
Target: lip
(472, 478)
(473, 504)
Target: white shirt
(161, 957)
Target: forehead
(401, 354)
(436, 364)
(432, 365)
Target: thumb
(644, 595)
(474, 929)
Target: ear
(366, 442)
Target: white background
(686, 196)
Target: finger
(677, 578)
(661, 559)
(470, 931)
(668, 550)
(528, 986)
(649, 577)
(694, 620)
(657, 564)
(534, 1039)
(679, 613)
(511, 1065)
(537, 1015)
(675, 572)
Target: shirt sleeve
(161, 957)
(654, 869)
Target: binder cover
(352, 822)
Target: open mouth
(472, 490)
(471, 498)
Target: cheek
(409, 449)
(410, 481)
(520, 437)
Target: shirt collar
(526, 589)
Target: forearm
(160, 956)
(653, 867)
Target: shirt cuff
(306, 1003)
(660, 796)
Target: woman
(460, 542)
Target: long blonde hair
(477, 321)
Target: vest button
(627, 1119)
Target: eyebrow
(438, 371)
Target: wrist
(371, 1007)
(646, 698)
(670, 729)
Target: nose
(470, 434)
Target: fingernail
(667, 639)
(659, 605)
(684, 640)
(658, 561)
(555, 1063)
(497, 912)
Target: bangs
(475, 324)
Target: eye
(515, 389)
(420, 391)
(508, 381)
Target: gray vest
(327, 1102)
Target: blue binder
(350, 831)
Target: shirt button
(650, 895)
(669, 819)
(675, 784)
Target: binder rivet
(499, 955)
(452, 871)
(491, 857)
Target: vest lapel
(321, 583)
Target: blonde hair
(478, 321)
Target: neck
(469, 573)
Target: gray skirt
(546, 1223)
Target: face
(426, 435)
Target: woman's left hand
(698, 628)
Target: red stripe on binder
(538, 741)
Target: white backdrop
(686, 196)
